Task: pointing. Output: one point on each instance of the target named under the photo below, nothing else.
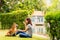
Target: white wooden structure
(38, 22)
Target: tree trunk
(53, 37)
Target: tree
(11, 5)
(54, 21)
(53, 6)
(2, 3)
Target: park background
(44, 13)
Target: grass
(3, 32)
(18, 38)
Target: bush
(53, 18)
(16, 16)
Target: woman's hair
(29, 21)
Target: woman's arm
(26, 27)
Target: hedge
(53, 18)
(16, 16)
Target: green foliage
(16, 16)
(53, 18)
(54, 5)
(12, 5)
(2, 3)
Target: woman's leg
(24, 35)
(19, 32)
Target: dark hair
(29, 21)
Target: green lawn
(18, 38)
(2, 37)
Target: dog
(12, 30)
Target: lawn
(2, 37)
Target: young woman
(12, 30)
(28, 29)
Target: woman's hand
(24, 23)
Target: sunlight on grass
(18, 38)
(3, 37)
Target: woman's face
(26, 21)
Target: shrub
(16, 16)
(53, 18)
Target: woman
(28, 29)
(12, 30)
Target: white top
(29, 31)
